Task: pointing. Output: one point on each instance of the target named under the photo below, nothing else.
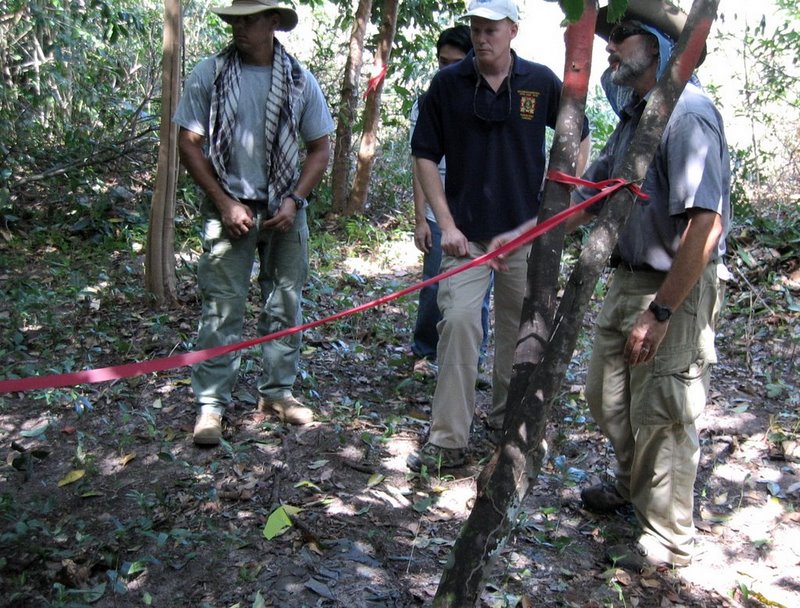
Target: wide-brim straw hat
(242, 8)
(663, 15)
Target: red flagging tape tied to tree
(129, 370)
(372, 83)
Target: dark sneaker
(603, 498)
(288, 409)
(628, 558)
(435, 458)
(207, 429)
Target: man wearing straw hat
(242, 116)
(654, 346)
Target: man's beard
(628, 72)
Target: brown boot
(628, 558)
(602, 498)
(288, 409)
(207, 429)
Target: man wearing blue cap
(487, 115)
(654, 346)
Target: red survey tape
(129, 370)
(372, 83)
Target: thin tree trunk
(369, 138)
(340, 172)
(160, 256)
(514, 467)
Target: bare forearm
(427, 172)
(697, 249)
(314, 166)
(418, 195)
(578, 219)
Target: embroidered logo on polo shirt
(527, 104)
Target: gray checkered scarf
(282, 149)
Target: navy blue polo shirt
(494, 142)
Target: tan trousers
(648, 411)
(460, 333)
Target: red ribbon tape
(372, 83)
(129, 370)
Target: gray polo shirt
(690, 170)
(247, 166)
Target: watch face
(661, 313)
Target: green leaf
(305, 483)
(375, 479)
(573, 9)
(71, 477)
(35, 432)
(258, 601)
(423, 505)
(279, 521)
(90, 596)
(616, 10)
(748, 260)
(135, 568)
(774, 390)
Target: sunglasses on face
(623, 32)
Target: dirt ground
(106, 502)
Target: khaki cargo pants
(649, 411)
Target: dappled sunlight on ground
(395, 257)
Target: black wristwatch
(299, 201)
(660, 311)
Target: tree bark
(369, 137)
(514, 467)
(348, 102)
(160, 256)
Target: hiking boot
(628, 558)
(637, 559)
(483, 382)
(426, 368)
(494, 435)
(602, 498)
(288, 409)
(434, 458)
(207, 429)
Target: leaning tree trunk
(507, 479)
(160, 257)
(340, 172)
(369, 138)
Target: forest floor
(105, 501)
